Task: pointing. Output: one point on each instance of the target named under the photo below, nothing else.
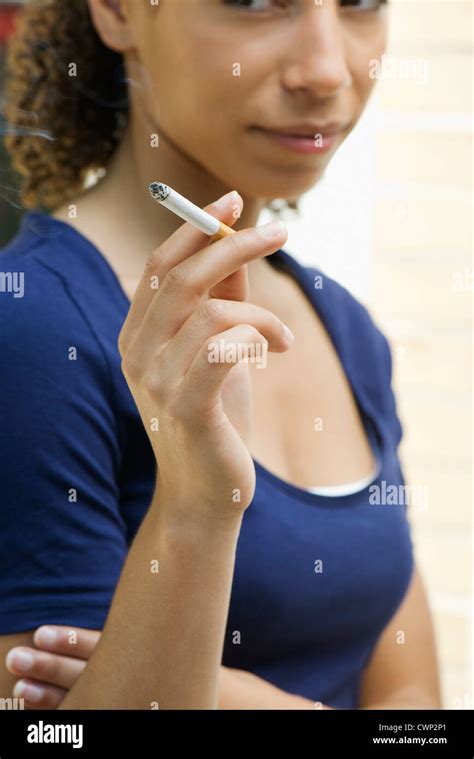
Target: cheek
(191, 81)
(201, 97)
(362, 49)
(364, 38)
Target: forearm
(409, 698)
(291, 701)
(163, 638)
(398, 701)
(244, 690)
(239, 689)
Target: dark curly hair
(66, 102)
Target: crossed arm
(398, 676)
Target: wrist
(180, 514)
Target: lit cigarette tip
(158, 190)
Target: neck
(123, 195)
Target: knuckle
(130, 366)
(177, 278)
(154, 387)
(153, 261)
(215, 310)
(245, 245)
(235, 242)
(48, 666)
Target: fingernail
(31, 693)
(288, 333)
(224, 201)
(272, 229)
(46, 636)
(19, 660)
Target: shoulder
(60, 451)
(58, 401)
(41, 322)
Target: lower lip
(319, 144)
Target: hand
(197, 413)
(57, 665)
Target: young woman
(216, 521)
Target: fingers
(217, 261)
(199, 392)
(51, 669)
(186, 283)
(37, 695)
(184, 242)
(212, 317)
(77, 642)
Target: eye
(255, 5)
(362, 5)
(263, 5)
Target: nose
(315, 56)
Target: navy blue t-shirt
(316, 579)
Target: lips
(309, 139)
(306, 130)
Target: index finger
(183, 243)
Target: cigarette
(188, 211)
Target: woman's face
(224, 70)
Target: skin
(298, 75)
(397, 677)
(300, 62)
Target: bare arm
(163, 638)
(162, 641)
(396, 678)
(404, 675)
(165, 628)
(399, 675)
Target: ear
(110, 19)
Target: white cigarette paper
(183, 207)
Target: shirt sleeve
(391, 401)
(63, 538)
(388, 402)
(396, 424)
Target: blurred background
(422, 289)
(404, 179)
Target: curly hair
(66, 102)
(65, 99)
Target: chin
(287, 184)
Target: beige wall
(422, 296)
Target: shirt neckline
(77, 235)
(303, 278)
(362, 483)
(281, 260)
